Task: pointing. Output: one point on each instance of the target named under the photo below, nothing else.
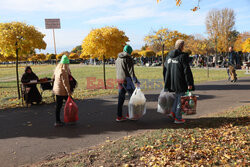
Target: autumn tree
(41, 57)
(2, 58)
(59, 56)
(196, 44)
(84, 57)
(17, 38)
(220, 28)
(73, 56)
(160, 53)
(136, 53)
(246, 45)
(165, 38)
(147, 53)
(239, 41)
(32, 58)
(50, 56)
(77, 49)
(104, 43)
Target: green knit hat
(64, 60)
(128, 49)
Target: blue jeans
(123, 89)
(176, 109)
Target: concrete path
(27, 134)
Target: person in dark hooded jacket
(31, 92)
(125, 76)
(178, 77)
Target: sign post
(53, 24)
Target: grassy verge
(219, 140)
(8, 90)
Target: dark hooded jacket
(27, 77)
(177, 73)
(31, 92)
(125, 68)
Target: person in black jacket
(232, 63)
(31, 92)
(125, 76)
(178, 77)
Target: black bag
(72, 83)
(46, 85)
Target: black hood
(123, 55)
(28, 68)
(175, 53)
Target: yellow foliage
(198, 46)
(18, 35)
(41, 57)
(2, 58)
(246, 45)
(166, 37)
(135, 53)
(106, 41)
(83, 56)
(10, 58)
(59, 56)
(238, 45)
(50, 56)
(160, 53)
(147, 53)
(74, 56)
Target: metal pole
(54, 41)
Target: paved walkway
(28, 135)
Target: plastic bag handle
(135, 92)
(188, 93)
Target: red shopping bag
(189, 104)
(70, 111)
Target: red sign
(52, 24)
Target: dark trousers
(59, 103)
(123, 89)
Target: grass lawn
(216, 140)
(8, 90)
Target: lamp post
(17, 76)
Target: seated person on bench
(31, 93)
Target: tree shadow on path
(96, 116)
(222, 87)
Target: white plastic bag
(137, 105)
(165, 102)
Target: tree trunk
(104, 74)
(162, 56)
(17, 76)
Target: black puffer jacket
(177, 73)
